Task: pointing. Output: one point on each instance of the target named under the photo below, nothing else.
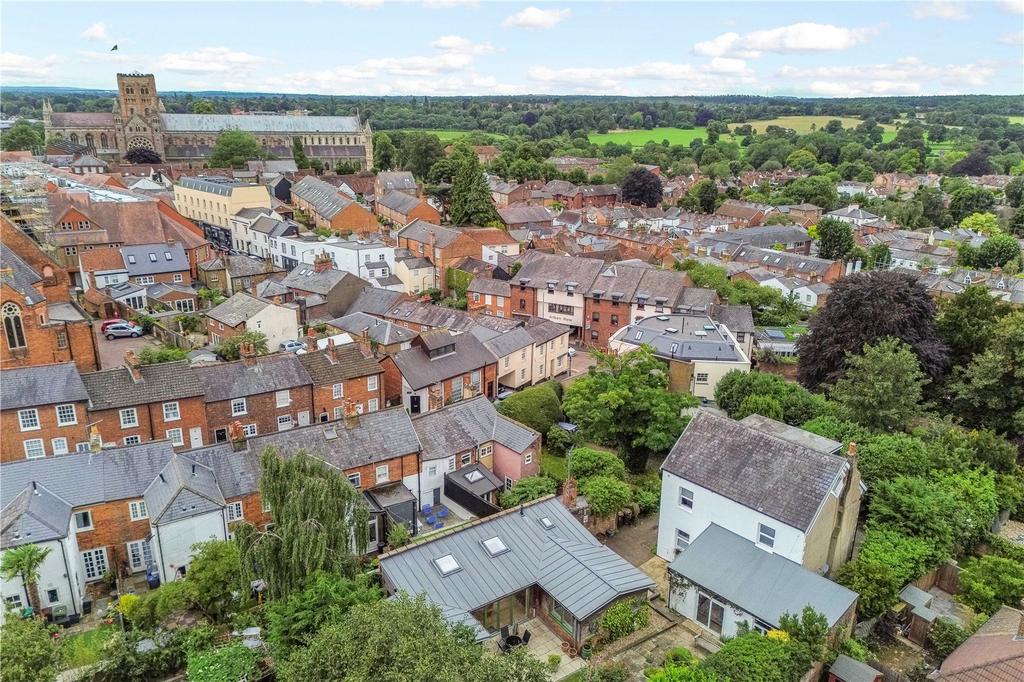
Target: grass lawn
(1016, 119)
(553, 466)
(446, 135)
(84, 647)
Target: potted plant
(587, 650)
(565, 647)
(554, 660)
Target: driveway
(112, 352)
(580, 364)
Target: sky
(466, 47)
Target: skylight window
(168, 256)
(639, 335)
(446, 565)
(131, 259)
(474, 476)
(495, 546)
(547, 523)
(152, 258)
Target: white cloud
(720, 76)
(97, 31)
(461, 45)
(534, 17)
(24, 69)
(208, 60)
(906, 76)
(1012, 38)
(1013, 6)
(940, 9)
(363, 4)
(800, 37)
(446, 4)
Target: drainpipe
(67, 574)
(163, 558)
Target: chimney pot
(236, 435)
(852, 450)
(351, 415)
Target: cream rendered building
(215, 200)
(417, 274)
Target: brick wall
(398, 468)
(12, 445)
(355, 390)
(223, 331)
(112, 528)
(524, 299)
(610, 318)
(151, 423)
(261, 410)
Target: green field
(1016, 119)
(446, 135)
(801, 124)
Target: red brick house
(401, 208)
(490, 296)
(42, 412)
(343, 375)
(440, 245)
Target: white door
(139, 555)
(304, 418)
(195, 437)
(95, 563)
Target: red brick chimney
(569, 493)
(247, 353)
(236, 435)
(311, 340)
(322, 262)
(351, 416)
(131, 361)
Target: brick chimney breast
(131, 361)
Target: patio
(543, 643)
(433, 518)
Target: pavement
(581, 362)
(112, 352)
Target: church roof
(81, 119)
(259, 123)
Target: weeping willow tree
(320, 522)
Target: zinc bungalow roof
(566, 561)
(750, 466)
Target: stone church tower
(137, 113)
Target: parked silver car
(121, 330)
(292, 346)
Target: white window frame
(382, 474)
(528, 458)
(129, 423)
(451, 464)
(682, 540)
(132, 440)
(137, 510)
(78, 514)
(284, 422)
(59, 446)
(176, 442)
(685, 495)
(61, 421)
(338, 391)
(372, 383)
(235, 512)
(172, 411)
(485, 449)
(99, 563)
(29, 417)
(356, 480)
(249, 430)
(287, 398)
(372, 405)
(701, 377)
(766, 535)
(235, 412)
(29, 452)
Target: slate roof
(681, 337)
(542, 331)
(41, 385)
(421, 231)
(345, 362)
(169, 258)
(374, 301)
(519, 215)
(34, 515)
(304, 277)
(253, 213)
(848, 669)
(486, 285)
(567, 562)
(22, 277)
(182, 489)
(800, 263)
(381, 331)
(237, 309)
(268, 373)
(214, 184)
(390, 180)
(736, 318)
(504, 344)
(542, 268)
(399, 201)
(378, 436)
(793, 434)
(420, 370)
(761, 583)
(272, 227)
(83, 478)
(466, 425)
(322, 196)
(259, 123)
(750, 466)
(114, 388)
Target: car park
(111, 321)
(121, 330)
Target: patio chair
(442, 513)
(431, 520)
(504, 632)
(426, 509)
(439, 525)
(526, 637)
(502, 647)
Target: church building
(139, 120)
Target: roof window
(446, 565)
(474, 476)
(152, 258)
(547, 523)
(495, 546)
(168, 256)
(131, 259)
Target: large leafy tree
(403, 639)
(526, 489)
(861, 309)
(299, 154)
(965, 322)
(537, 407)
(997, 251)
(320, 522)
(24, 562)
(31, 653)
(641, 186)
(419, 152)
(835, 238)
(234, 147)
(22, 136)
(623, 401)
(215, 577)
(385, 155)
(969, 199)
(989, 391)
(882, 386)
(471, 198)
(142, 155)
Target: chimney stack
(569, 493)
(351, 416)
(852, 451)
(236, 435)
(322, 262)
(131, 361)
(311, 340)
(247, 353)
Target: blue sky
(444, 47)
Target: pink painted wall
(510, 464)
